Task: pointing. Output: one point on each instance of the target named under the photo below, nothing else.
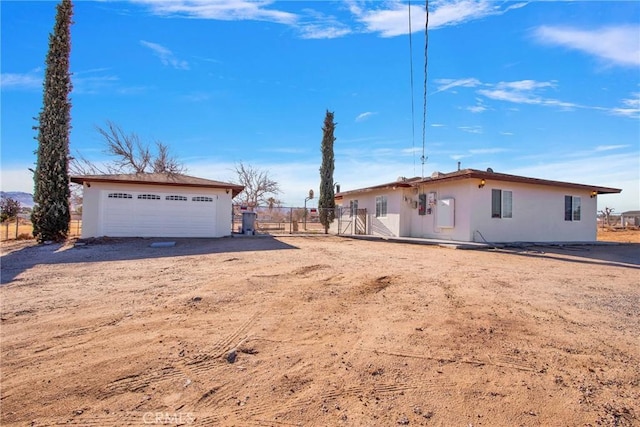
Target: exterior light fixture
(594, 194)
(482, 183)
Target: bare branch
(80, 165)
(258, 185)
(129, 155)
(164, 162)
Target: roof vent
(489, 170)
(401, 179)
(436, 174)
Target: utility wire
(426, 62)
(413, 120)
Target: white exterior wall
(425, 226)
(538, 213)
(91, 211)
(389, 225)
(95, 195)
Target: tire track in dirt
(100, 420)
(283, 407)
(221, 347)
(211, 361)
(207, 421)
(502, 360)
(139, 382)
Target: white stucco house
(473, 206)
(155, 205)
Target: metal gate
(352, 221)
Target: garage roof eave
(175, 180)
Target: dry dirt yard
(318, 331)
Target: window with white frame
(353, 208)
(501, 203)
(381, 206)
(572, 207)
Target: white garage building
(155, 205)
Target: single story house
(471, 205)
(630, 219)
(155, 205)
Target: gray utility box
(249, 223)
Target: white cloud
(166, 56)
(471, 129)
(30, 80)
(316, 25)
(615, 45)
(525, 92)
(530, 92)
(630, 107)
(391, 18)
(314, 31)
(364, 116)
(446, 84)
(610, 147)
(477, 109)
(310, 24)
(510, 96)
(524, 85)
(437, 125)
(222, 10)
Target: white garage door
(155, 214)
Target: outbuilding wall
(177, 224)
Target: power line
(426, 62)
(413, 121)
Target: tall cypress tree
(51, 214)
(326, 202)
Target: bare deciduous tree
(130, 155)
(258, 185)
(606, 215)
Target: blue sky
(544, 89)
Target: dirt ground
(318, 331)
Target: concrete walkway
(450, 244)
(453, 244)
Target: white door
(158, 214)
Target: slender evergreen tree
(326, 202)
(51, 214)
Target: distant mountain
(25, 199)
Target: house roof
(177, 180)
(487, 176)
(402, 182)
